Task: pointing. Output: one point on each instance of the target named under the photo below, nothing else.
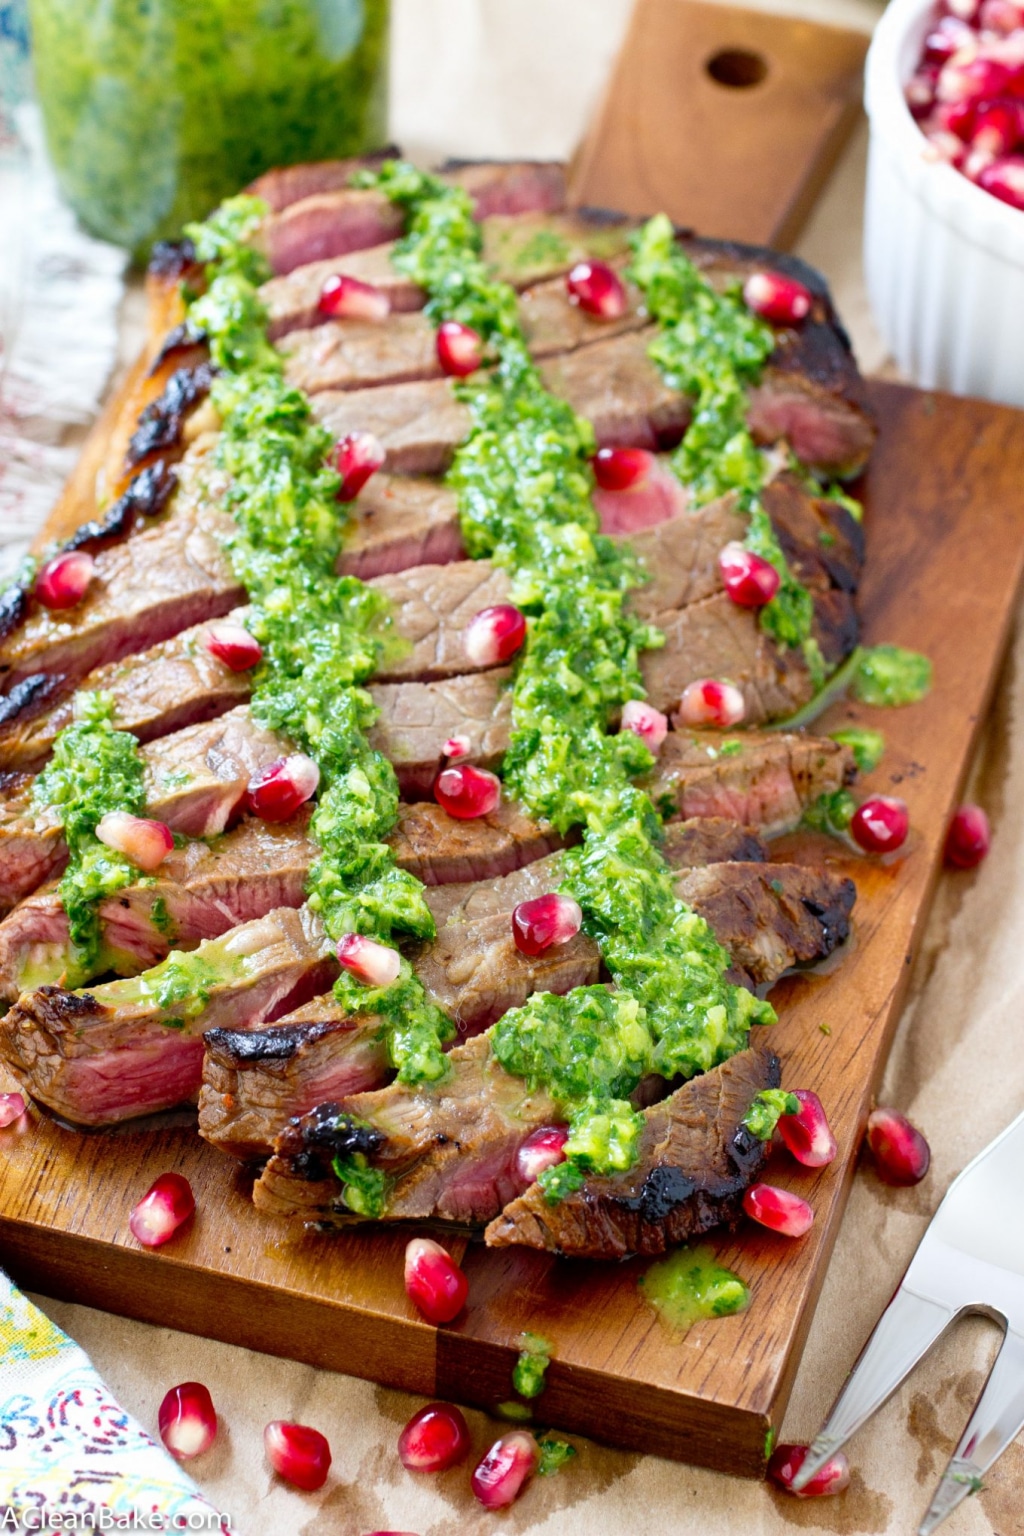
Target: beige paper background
(482, 77)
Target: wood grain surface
(945, 526)
(767, 101)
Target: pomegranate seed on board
(466, 792)
(187, 1420)
(12, 1107)
(346, 298)
(460, 349)
(778, 1209)
(434, 1439)
(234, 646)
(749, 580)
(968, 838)
(1005, 180)
(543, 1148)
(598, 289)
(709, 702)
(902, 1155)
(617, 469)
(143, 842)
(433, 1281)
(280, 789)
(356, 458)
(880, 824)
(646, 722)
(786, 1461)
(166, 1206)
(545, 921)
(456, 746)
(782, 300)
(499, 1477)
(494, 634)
(64, 580)
(808, 1134)
(378, 965)
(297, 1453)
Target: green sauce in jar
(155, 110)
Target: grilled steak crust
(696, 1158)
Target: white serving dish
(944, 260)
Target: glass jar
(155, 110)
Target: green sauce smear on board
(691, 1285)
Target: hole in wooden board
(738, 68)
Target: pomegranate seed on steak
(617, 469)
(778, 1209)
(163, 1209)
(434, 1439)
(143, 842)
(499, 1477)
(346, 298)
(456, 746)
(377, 965)
(495, 634)
(709, 702)
(187, 1420)
(297, 1453)
(356, 458)
(782, 300)
(598, 289)
(282, 787)
(646, 722)
(808, 1134)
(466, 792)
(545, 921)
(543, 1148)
(786, 1461)
(749, 580)
(234, 646)
(968, 838)
(460, 349)
(12, 1107)
(880, 824)
(902, 1155)
(64, 580)
(433, 1281)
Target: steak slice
(286, 184)
(695, 1159)
(396, 522)
(440, 850)
(431, 607)
(418, 718)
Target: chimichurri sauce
(691, 1285)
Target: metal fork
(971, 1259)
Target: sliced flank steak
(695, 1159)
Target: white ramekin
(944, 260)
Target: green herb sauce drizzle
(767, 1110)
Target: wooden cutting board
(945, 535)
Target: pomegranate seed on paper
(234, 646)
(166, 1206)
(356, 458)
(64, 580)
(902, 1155)
(709, 702)
(187, 1420)
(280, 789)
(880, 824)
(346, 298)
(778, 1209)
(617, 469)
(808, 1134)
(378, 965)
(466, 792)
(749, 580)
(143, 842)
(786, 1461)
(434, 1439)
(12, 1107)
(545, 921)
(433, 1281)
(543, 1148)
(297, 1453)
(460, 349)
(646, 722)
(495, 634)
(968, 838)
(777, 298)
(598, 289)
(499, 1478)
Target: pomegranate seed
(187, 1420)
(466, 792)
(495, 634)
(955, 117)
(498, 1478)
(786, 1462)
(356, 458)
(1005, 180)
(778, 1209)
(456, 746)
(545, 921)
(460, 349)
(64, 580)
(808, 1134)
(598, 289)
(297, 1453)
(949, 36)
(166, 1206)
(617, 469)
(708, 702)
(968, 838)
(143, 842)
(901, 1154)
(997, 128)
(234, 646)
(920, 92)
(945, 146)
(963, 10)
(1003, 16)
(782, 300)
(433, 1281)
(749, 581)
(646, 722)
(12, 1107)
(434, 1439)
(542, 1149)
(375, 964)
(880, 824)
(346, 298)
(276, 793)
(965, 78)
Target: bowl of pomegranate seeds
(944, 221)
